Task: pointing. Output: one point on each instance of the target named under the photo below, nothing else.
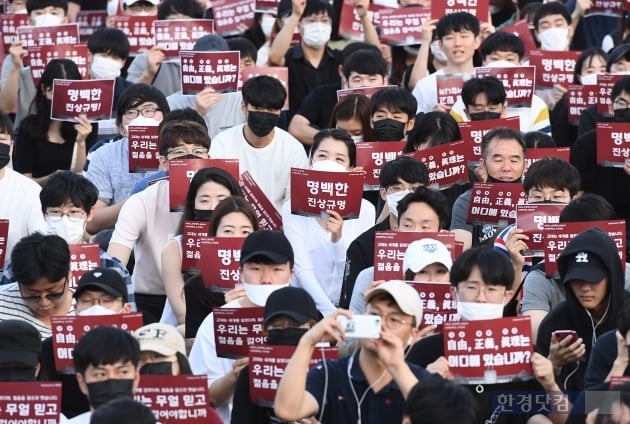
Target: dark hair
(111, 41)
(365, 61)
(433, 129)
(457, 22)
(434, 198)
(105, 345)
(502, 42)
(190, 8)
(184, 364)
(489, 85)
(552, 172)
(538, 139)
(255, 33)
(39, 256)
(588, 207)
(623, 318)
(394, 99)
(552, 8)
(437, 401)
(6, 125)
(185, 114)
(622, 85)
(137, 94)
(67, 186)
(406, 168)
(495, 267)
(123, 411)
(339, 135)
(586, 57)
(264, 91)
(230, 205)
(243, 45)
(42, 4)
(353, 106)
(501, 133)
(174, 132)
(314, 7)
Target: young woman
(352, 114)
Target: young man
(392, 113)
(259, 142)
(266, 266)
(373, 382)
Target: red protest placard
(613, 143)
(403, 27)
(48, 35)
(67, 330)
(373, 155)
(447, 163)
(4, 234)
(535, 154)
(281, 73)
(220, 262)
(219, 70)
(494, 203)
(518, 82)
(143, 148)
(174, 399)
(315, 192)
(182, 171)
(84, 257)
(39, 56)
(475, 130)
(350, 23)
(553, 67)
(30, 402)
(605, 83)
(578, 98)
(557, 236)
(479, 8)
(191, 242)
(89, 21)
(177, 35)
(531, 218)
(231, 15)
(438, 304)
(521, 30)
(268, 216)
(92, 98)
(366, 91)
(235, 329)
(489, 351)
(10, 23)
(139, 31)
(266, 367)
(614, 6)
(449, 87)
(390, 248)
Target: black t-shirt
(318, 105)
(91, 4)
(199, 303)
(244, 410)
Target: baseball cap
(161, 338)
(211, 43)
(131, 2)
(105, 279)
(21, 343)
(271, 244)
(617, 54)
(423, 252)
(585, 266)
(405, 296)
(292, 301)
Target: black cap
(292, 301)
(584, 266)
(20, 343)
(104, 279)
(271, 244)
(617, 54)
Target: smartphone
(563, 334)
(361, 326)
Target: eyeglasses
(392, 320)
(105, 301)
(182, 151)
(621, 104)
(52, 297)
(147, 112)
(396, 188)
(557, 198)
(472, 291)
(55, 215)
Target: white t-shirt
(425, 90)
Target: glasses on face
(55, 215)
(392, 320)
(105, 301)
(396, 188)
(472, 291)
(556, 198)
(621, 104)
(322, 19)
(182, 151)
(147, 112)
(52, 297)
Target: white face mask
(141, 121)
(357, 138)
(47, 19)
(71, 232)
(112, 7)
(105, 67)
(589, 79)
(328, 166)
(474, 311)
(437, 52)
(258, 293)
(266, 24)
(316, 34)
(393, 199)
(554, 39)
(500, 64)
(96, 310)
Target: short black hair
(38, 256)
(137, 94)
(406, 168)
(42, 4)
(457, 22)
(588, 207)
(490, 85)
(432, 129)
(394, 99)
(111, 41)
(314, 7)
(551, 8)
(185, 114)
(502, 42)
(588, 54)
(365, 61)
(501, 133)
(434, 198)
(538, 139)
(339, 135)
(621, 86)
(67, 186)
(123, 411)
(495, 267)
(244, 46)
(105, 345)
(552, 172)
(437, 401)
(264, 91)
(190, 8)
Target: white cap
(423, 252)
(130, 2)
(405, 296)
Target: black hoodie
(570, 315)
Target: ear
(82, 384)
(477, 42)
(453, 291)
(466, 113)
(504, 111)
(126, 309)
(340, 71)
(508, 296)
(570, 33)
(410, 124)
(163, 163)
(610, 111)
(65, 20)
(136, 380)
(385, 80)
(383, 194)
(536, 35)
(243, 108)
(292, 274)
(90, 215)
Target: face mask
(437, 52)
(141, 121)
(389, 130)
(482, 116)
(285, 336)
(18, 373)
(621, 115)
(393, 199)
(112, 7)
(258, 293)
(21, 11)
(490, 179)
(105, 68)
(554, 39)
(500, 64)
(590, 79)
(266, 24)
(47, 20)
(357, 138)
(96, 310)
(157, 368)
(5, 158)
(71, 232)
(328, 166)
(473, 311)
(203, 214)
(261, 123)
(316, 34)
(104, 391)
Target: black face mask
(261, 123)
(485, 115)
(621, 115)
(4, 155)
(490, 179)
(285, 336)
(389, 130)
(17, 373)
(104, 391)
(203, 215)
(157, 368)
